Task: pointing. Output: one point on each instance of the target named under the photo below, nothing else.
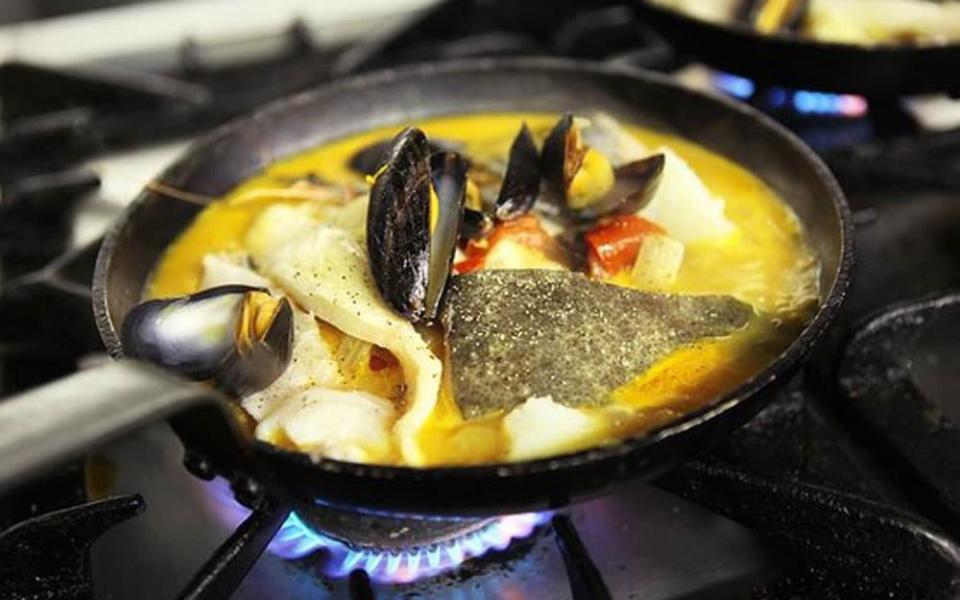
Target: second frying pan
(801, 63)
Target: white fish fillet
(541, 427)
(612, 140)
(311, 365)
(325, 271)
(684, 206)
(276, 226)
(343, 425)
(229, 269)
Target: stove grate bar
(910, 431)
(866, 547)
(360, 586)
(47, 556)
(225, 570)
(586, 582)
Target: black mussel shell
(260, 361)
(190, 335)
(560, 158)
(448, 172)
(398, 225)
(521, 182)
(410, 247)
(573, 242)
(199, 337)
(634, 186)
(368, 159)
(475, 224)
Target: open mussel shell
(475, 224)
(368, 159)
(413, 221)
(521, 182)
(634, 186)
(560, 158)
(572, 242)
(398, 224)
(448, 172)
(239, 337)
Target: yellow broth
(766, 263)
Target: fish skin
(512, 335)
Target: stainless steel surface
(47, 425)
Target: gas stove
(844, 487)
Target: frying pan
(792, 61)
(46, 424)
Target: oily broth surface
(766, 263)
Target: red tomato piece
(613, 245)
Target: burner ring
(388, 534)
(399, 550)
(388, 549)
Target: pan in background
(791, 61)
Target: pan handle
(50, 424)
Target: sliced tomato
(524, 230)
(472, 262)
(613, 245)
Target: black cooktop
(845, 487)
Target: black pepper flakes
(512, 334)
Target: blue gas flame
(296, 540)
(803, 101)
